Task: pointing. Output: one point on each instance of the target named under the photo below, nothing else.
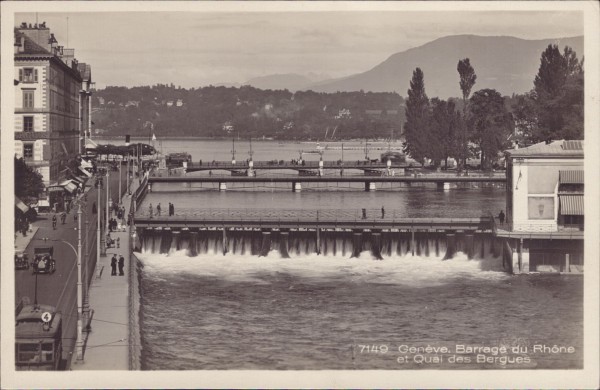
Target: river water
(239, 311)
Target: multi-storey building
(48, 107)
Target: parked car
(43, 261)
(21, 260)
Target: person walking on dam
(121, 265)
(113, 265)
(501, 217)
(158, 210)
(382, 212)
(150, 209)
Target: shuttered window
(28, 99)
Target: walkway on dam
(107, 344)
(293, 218)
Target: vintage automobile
(21, 260)
(43, 260)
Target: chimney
(68, 56)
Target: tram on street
(38, 338)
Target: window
(28, 99)
(28, 151)
(28, 123)
(28, 75)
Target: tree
(490, 124)
(467, 81)
(558, 95)
(525, 118)
(444, 127)
(28, 182)
(417, 112)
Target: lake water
(239, 311)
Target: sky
(198, 48)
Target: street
(60, 288)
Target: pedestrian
(121, 265)
(54, 222)
(382, 212)
(172, 209)
(94, 208)
(63, 218)
(150, 209)
(113, 265)
(158, 209)
(75, 217)
(501, 217)
(364, 213)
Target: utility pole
(107, 201)
(100, 247)
(86, 289)
(79, 287)
(119, 196)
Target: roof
(558, 149)
(30, 46)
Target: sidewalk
(21, 242)
(107, 346)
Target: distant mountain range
(507, 64)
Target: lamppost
(100, 244)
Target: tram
(38, 338)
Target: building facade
(48, 115)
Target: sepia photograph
(300, 194)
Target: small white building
(545, 186)
(544, 208)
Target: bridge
(443, 181)
(281, 164)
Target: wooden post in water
(412, 241)
(225, 250)
(567, 263)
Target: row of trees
(436, 129)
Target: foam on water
(416, 271)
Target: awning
(91, 144)
(69, 186)
(570, 177)
(571, 204)
(86, 173)
(20, 205)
